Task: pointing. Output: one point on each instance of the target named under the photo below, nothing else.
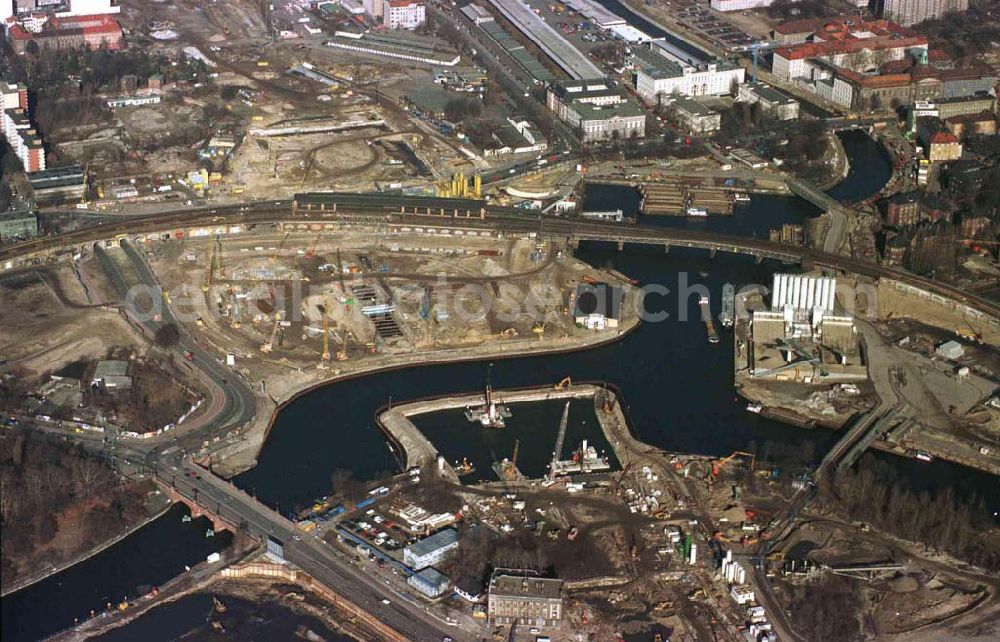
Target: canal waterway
(150, 557)
(677, 388)
(869, 170)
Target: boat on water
(697, 211)
(491, 414)
(755, 408)
(507, 470)
(584, 460)
(741, 197)
(464, 467)
(923, 455)
(728, 314)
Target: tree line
(39, 479)
(940, 521)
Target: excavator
(718, 465)
(562, 385)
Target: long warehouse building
(566, 56)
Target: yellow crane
(211, 266)
(267, 347)
(539, 329)
(274, 257)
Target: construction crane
(562, 385)
(326, 336)
(311, 252)
(305, 173)
(274, 257)
(267, 347)
(211, 266)
(340, 271)
(559, 441)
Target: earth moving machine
(718, 465)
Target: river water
(149, 557)
(677, 388)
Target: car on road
(385, 601)
(296, 538)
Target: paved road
(233, 404)
(318, 559)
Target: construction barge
(492, 414)
(688, 198)
(706, 316)
(728, 315)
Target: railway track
(499, 219)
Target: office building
(58, 184)
(403, 14)
(21, 224)
(23, 140)
(430, 550)
(911, 12)
(52, 32)
(430, 582)
(773, 102)
(694, 116)
(658, 74)
(524, 600)
(13, 96)
(597, 110)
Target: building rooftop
(475, 12)
(656, 66)
(434, 542)
(110, 368)
(56, 177)
(693, 107)
(770, 94)
(575, 90)
(943, 138)
(522, 586)
(432, 577)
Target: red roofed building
(943, 146)
(68, 33)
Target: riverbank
(240, 456)
(289, 595)
(34, 578)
